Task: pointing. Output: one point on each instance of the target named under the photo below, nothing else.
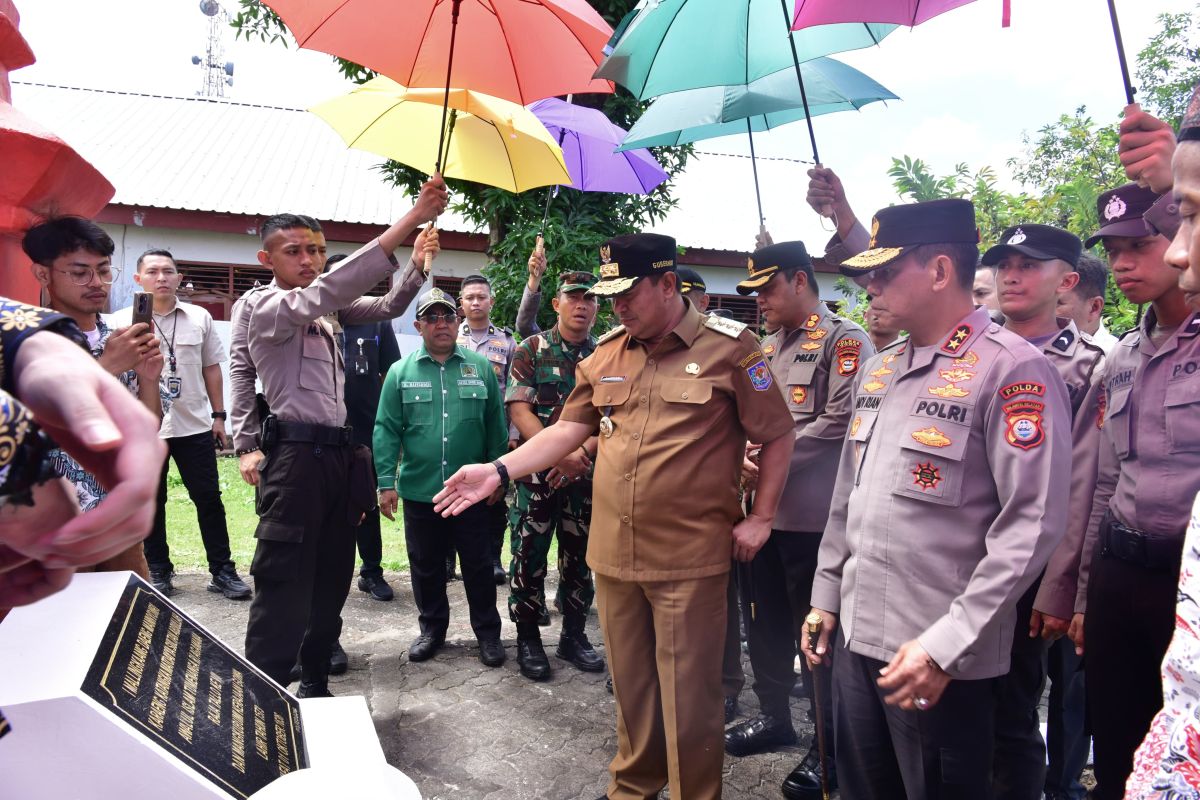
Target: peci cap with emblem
(768, 260)
(1039, 242)
(625, 260)
(1189, 128)
(576, 281)
(1121, 213)
(435, 297)
(896, 230)
(690, 280)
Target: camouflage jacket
(543, 372)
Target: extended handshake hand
(96, 420)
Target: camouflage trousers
(538, 514)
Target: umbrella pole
(762, 221)
(551, 191)
(812, 137)
(443, 134)
(1129, 90)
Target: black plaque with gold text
(182, 688)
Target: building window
(450, 285)
(217, 286)
(743, 309)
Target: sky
(969, 90)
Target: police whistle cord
(812, 624)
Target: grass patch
(187, 549)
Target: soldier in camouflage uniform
(559, 499)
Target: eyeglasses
(434, 319)
(83, 275)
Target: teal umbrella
(771, 101)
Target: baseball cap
(1039, 242)
(1121, 211)
(435, 297)
(575, 281)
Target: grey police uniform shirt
(1080, 363)
(1150, 448)
(815, 367)
(498, 347)
(951, 494)
(292, 335)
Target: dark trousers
(781, 576)
(885, 753)
(197, 462)
(430, 538)
(370, 546)
(733, 678)
(497, 524)
(1066, 724)
(304, 559)
(1019, 765)
(1128, 626)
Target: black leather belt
(313, 434)
(1148, 550)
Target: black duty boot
(760, 734)
(160, 579)
(226, 581)
(574, 646)
(338, 661)
(804, 782)
(531, 656)
(315, 688)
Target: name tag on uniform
(416, 385)
(613, 379)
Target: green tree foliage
(1069, 162)
(578, 221)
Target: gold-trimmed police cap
(690, 280)
(766, 261)
(898, 229)
(624, 260)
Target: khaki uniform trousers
(666, 669)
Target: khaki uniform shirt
(188, 330)
(951, 494)
(815, 367)
(1079, 362)
(668, 475)
(1150, 449)
(291, 338)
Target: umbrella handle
(1130, 109)
(428, 255)
(540, 247)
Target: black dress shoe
(804, 782)
(424, 646)
(160, 579)
(760, 734)
(731, 709)
(544, 619)
(338, 662)
(313, 689)
(576, 648)
(499, 573)
(376, 586)
(491, 652)
(531, 657)
(228, 583)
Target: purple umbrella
(588, 140)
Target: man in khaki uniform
(1148, 475)
(674, 395)
(310, 484)
(815, 356)
(1035, 266)
(950, 496)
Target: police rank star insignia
(692, 368)
(812, 321)
(957, 339)
(926, 476)
(931, 437)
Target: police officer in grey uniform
(1149, 472)
(497, 345)
(311, 485)
(950, 496)
(815, 356)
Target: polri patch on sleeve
(847, 352)
(1024, 420)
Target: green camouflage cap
(576, 281)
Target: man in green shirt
(441, 407)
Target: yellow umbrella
(493, 141)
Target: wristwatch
(502, 471)
(219, 415)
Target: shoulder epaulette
(613, 334)
(731, 328)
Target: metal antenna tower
(218, 73)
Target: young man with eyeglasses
(72, 260)
(194, 424)
(441, 407)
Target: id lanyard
(174, 383)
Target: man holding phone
(193, 427)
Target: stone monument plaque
(182, 688)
